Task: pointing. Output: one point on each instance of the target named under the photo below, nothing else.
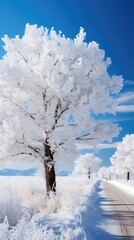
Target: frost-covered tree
(102, 173)
(86, 164)
(107, 173)
(123, 159)
(50, 89)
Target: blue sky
(109, 22)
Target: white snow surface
(77, 212)
(125, 186)
(27, 214)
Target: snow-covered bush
(11, 208)
(59, 218)
(32, 231)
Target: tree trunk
(128, 176)
(49, 170)
(110, 178)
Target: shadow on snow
(95, 219)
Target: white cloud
(125, 108)
(98, 146)
(108, 145)
(129, 82)
(120, 119)
(126, 102)
(126, 97)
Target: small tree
(51, 86)
(123, 159)
(87, 164)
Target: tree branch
(18, 154)
(83, 137)
(68, 125)
(35, 149)
(25, 111)
(62, 112)
(23, 57)
(56, 116)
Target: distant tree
(102, 173)
(86, 164)
(50, 89)
(123, 159)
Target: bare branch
(85, 135)
(85, 139)
(89, 73)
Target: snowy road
(119, 209)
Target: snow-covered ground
(125, 186)
(27, 214)
(75, 213)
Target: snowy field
(27, 214)
(73, 214)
